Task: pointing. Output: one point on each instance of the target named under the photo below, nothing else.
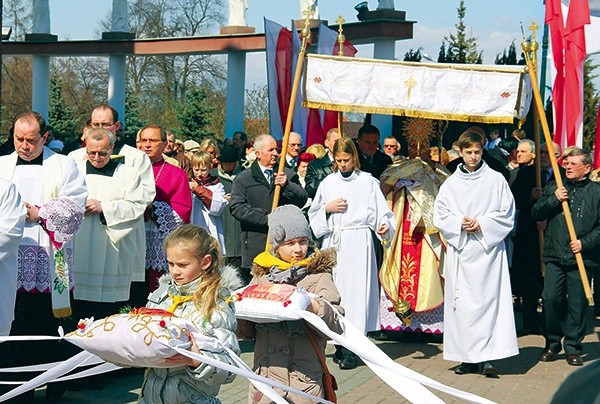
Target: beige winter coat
(283, 351)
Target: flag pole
(529, 49)
(536, 138)
(308, 13)
(341, 39)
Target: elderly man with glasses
(114, 208)
(106, 117)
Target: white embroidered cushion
(270, 303)
(142, 338)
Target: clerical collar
(39, 160)
(463, 168)
(346, 174)
(108, 170)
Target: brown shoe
(574, 360)
(548, 355)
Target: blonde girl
(194, 289)
(347, 207)
(208, 197)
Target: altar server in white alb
(12, 221)
(347, 206)
(475, 211)
(208, 197)
(114, 209)
(54, 194)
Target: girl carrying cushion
(195, 289)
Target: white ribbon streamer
(50, 375)
(384, 366)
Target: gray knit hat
(286, 223)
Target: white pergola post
(40, 88)
(385, 48)
(236, 80)
(117, 64)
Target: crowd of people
(436, 242)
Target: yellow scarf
(177, 300)
(267, 260)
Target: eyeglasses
(389, 145)
(98, 153)
(103, 125)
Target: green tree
(61, 117)
(590, 104)
(133, 121)
(461, 48)
(413, 55)
(194, 115)
(509, 57)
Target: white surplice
(104, 266)
(136, 244)
(210, 218)
(479, 322)
(12, 222)
(350, 232)
(58, 188)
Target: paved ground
(523, 379)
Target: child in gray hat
(284, 351)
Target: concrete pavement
(522, 378)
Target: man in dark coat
(320, 168)
(526, 271)
(252, 197)
(565, 305)
(372, 160)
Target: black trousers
(565, 308)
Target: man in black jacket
(320, 168)
(372, 160)
(526, 274)
(565, 304)
(252, 196)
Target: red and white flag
(569, 52)
(282, 50)
(278, 44)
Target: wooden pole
(527, 50)
(536, 138)
(290, 115)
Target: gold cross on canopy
(410, 83)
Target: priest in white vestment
(54, 193)
(12, 221)
(104, 116)
(115, 207)
(474, 211)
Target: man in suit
(320, 168)
(293, 150)
(252, 197)
(372, 160)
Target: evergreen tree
(194, 115)
(509, 57)
(61, 117)
(442, 54)
(413, 55)
(133, 121)
(590, 104)
(461, 49)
